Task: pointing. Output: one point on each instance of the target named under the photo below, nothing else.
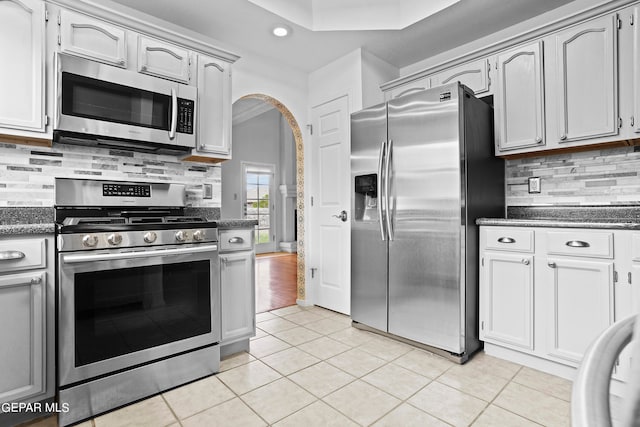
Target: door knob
(342, 216)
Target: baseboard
(304, 303)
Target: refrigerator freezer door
(368, 249)
(425, 204)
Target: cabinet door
(636, 70)
(519, 103)
(411, 87)
(214, 106)
(163, 60)
(92, 38)
(238, 296)
(587, 80)
(474, 74)
(506, 295)
(580, 299)
(22, 334)
(22, 29)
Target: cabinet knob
(563, 137)
(538, 140)
(36, 280)
(551, 264)
(506, 240)
(525, 261)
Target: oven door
(120, 308)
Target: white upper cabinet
(633, 16)
(22, 35)
(585, 74)
(214, 107)
(519, 98)
(92, 38)
(411, 87)
(164, 60)
(473, 74)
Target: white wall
(256, 140)
(375, 71)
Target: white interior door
(330, 239)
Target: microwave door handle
(174, 114)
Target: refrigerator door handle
(383, 146)
(387, 198)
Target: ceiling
(245, 28)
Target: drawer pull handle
(506, 240)
(525, 261)
(236, 240)
(11, 255)
(551, 264)
(577, 244)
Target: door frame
(297, 136)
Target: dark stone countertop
(508, 222)
(26, 220)
(620, 217)
(236, 223)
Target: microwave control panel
(186, 111)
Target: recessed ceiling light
(281, 31)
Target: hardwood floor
(276, 279)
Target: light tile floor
(308, 367)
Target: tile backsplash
(27, 173)
(597, 177)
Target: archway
(297, 136)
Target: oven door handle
(79, 258)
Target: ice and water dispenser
(366, 198)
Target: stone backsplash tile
(27, 173)
(598, 177)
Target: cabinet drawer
(236, 240)
(597, 244)
(22, 254)
(509, 239)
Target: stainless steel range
(138, 293)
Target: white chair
(590, 394)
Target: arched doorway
(299, 145)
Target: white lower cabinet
(23, 354)
(238, 296)
(579, 300)
(237, 281)
(547, 293)
(26, 320)
(507, 299)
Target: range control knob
(181, 236)
(199, 235)
(150, 237)
(114, 239)
(90, 241)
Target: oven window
(126, 310)
(110, 102)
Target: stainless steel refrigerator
(422, 171)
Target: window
(258, 202)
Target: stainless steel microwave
(101, 105)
